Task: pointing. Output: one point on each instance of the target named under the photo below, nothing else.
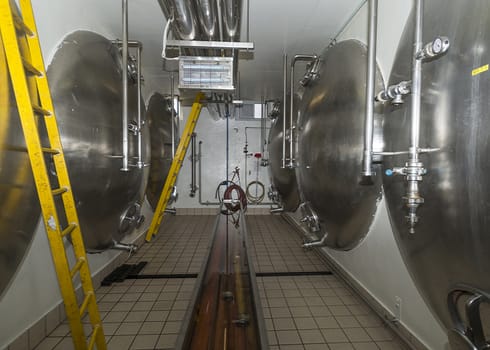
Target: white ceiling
(276, 27)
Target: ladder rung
(30, 68)
(39, 110)
(51, 150)
(58, 191)
(77, 267)
(85, 303)
(21, 26)
(93, 337)
(24, 149)
(68, 230)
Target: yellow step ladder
(175, 167)
(34, 103)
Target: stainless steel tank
(19, 204)
(85, 81)
(330, 145)
(448, 254)
(159, 117)
(284, 188)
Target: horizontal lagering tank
(86, 85)
(448, 254)
(330, 145)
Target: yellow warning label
(479, 70)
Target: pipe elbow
(318, 243)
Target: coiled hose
(257, 198)
(228, 194)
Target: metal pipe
(367, 161)
(140, 163)
(248, 20)
(277, 210)
(172, 111)
(296, 58)
(133, 44)
(416, 81)
(262, 127)
(184, 25)
(131, 248)
(193, 165)
(347, 22)
(125, 145)
(284, 107)
(207, 14)
(319, 243)
(231, 13)
(171, 211)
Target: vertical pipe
(140, 147)
(193, 165)
(416, 81)
(307, 58)
(262, 127)
(199, 186)
(227, 116)
(172, 112)
(291, 114)
(248, 20)
(284, 107)
(125, 86)
(367, 166)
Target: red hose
(242, 197)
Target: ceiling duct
(206, 20)
(184, 26)
(231, 11)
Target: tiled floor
(309, 312)
(147, 313)
(301, 312)
(180, 248)
(276, 247)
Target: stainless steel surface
(184, 25)
(367, 160)
(284, 107)
(207, 14)
(231, 12)
(283, 180)
(330, 144)
(140, 110)
(159, 116)
(211, 44)
(19, 204)
(292, 110)
(85, 81)
(172, 111)
(193, 159)
(124, 115)
(451, 240)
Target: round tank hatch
(450, 242)
(330, 145)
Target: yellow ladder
(33, 97)
(175, 167)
